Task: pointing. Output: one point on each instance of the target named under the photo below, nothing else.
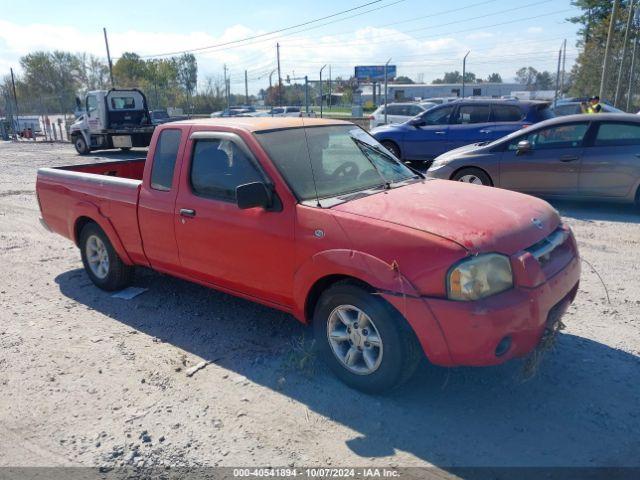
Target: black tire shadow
(582, 408)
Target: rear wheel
(363, 339)
(101, 262)
(392, 147)
(472, 175)
(81, 145)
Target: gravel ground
(90, 380)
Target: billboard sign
(374, 73)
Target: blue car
(456, 124)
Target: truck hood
(479, 218)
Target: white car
(440, 100)
(398, 113)
(286, 112)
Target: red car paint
(402, 242)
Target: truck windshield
(341, 158)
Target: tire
(472, 175)
(111, 275)
(392, 147)
(81, 145)
(390, 364)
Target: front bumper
(454, 333)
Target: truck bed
(131, 169)
(107, 191)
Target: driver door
(93, 113)
(244, 251)
(430, 138)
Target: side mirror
(251, 195)
(417, 122)
(524, 146)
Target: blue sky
(423, 38)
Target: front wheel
(363, 339)
(101, 262)
(472, 175)
(81, 145)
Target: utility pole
(321, 89)
(306, 94)
(226, 85)
(555, 96)
(633, 59)
(386, 90)
(605, 63)
(279, 76)
(15, 100)
(624, 52)
(246, 89)
(106, 42)
(464, 70)
(329, 87)
(564, 60)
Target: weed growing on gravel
(302, 357)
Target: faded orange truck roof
(255, 124)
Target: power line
(443, 12)
(455, 22)
(264, 34)
(385, 38)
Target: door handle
(440, 132)
(485, 131)
(187, 212)
(568, 158)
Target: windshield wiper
(360, 144)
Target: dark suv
(459, 123)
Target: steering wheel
(347, 169)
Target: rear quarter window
(507, 113)
(164, 159)
(617, 134)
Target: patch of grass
(302, 358)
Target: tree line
(51, 81)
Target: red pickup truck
(315, 218)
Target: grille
(545, 249)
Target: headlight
(438, 162)
(479, 277)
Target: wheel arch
(84, 214)
(455, 172)
(323, 284)
(390, 140)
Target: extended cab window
(218, 167)
(617, 134)
(164, 159)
